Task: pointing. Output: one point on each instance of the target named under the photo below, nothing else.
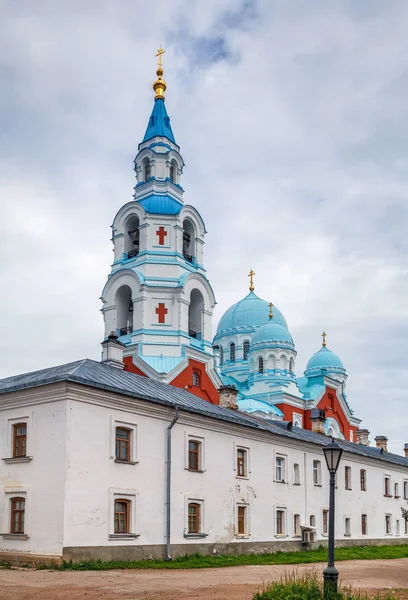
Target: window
(172, 172)
(405, 490)
(232, 352)
(245, 350)
(325, 523)
(147, 170)
(17, 513)
(387, 486)
(347, 526)
(221, 355)
(363, 480)
(242, 520)
(406, 527)
(388, 524)
(241, 462)
(122, 443)
(194, 455)
(280, 469)
(296, 525)
(122, 514)
(396, 490)
(194, 517)
(397, 527)
(347, 476)
(19, 440)
(260, 365)
(280, 522)
(196, 379)
(364, 524)
(296, 474)
(312, 521)
(317, 472)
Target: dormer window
(146, 169)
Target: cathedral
(159, 302)
(177, 441)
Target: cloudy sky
(292, 118)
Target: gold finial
(324, 334)
(270, 310)
(159, 85)
(251, 280)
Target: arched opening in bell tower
(146, 169)
(124, 310)
(131, 241)
(195, 315)
(188, 240)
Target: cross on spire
(270, 310)
(251, 280)
(324, 335)
(160, 51)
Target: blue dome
(324, 359)
(272, 332)
(250, 405)
(251, 311)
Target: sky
(292, 118)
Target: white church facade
(176, 441)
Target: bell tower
(158, 299)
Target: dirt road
(233, 583)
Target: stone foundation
(23, 559)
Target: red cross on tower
(161, 311)
(161, 232)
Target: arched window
(272, 362)
(17, 514)
(245, 350)
(122, 516)
(194, 517)
(124, 310)
(232, 352)
(131, 240)
(291, 365)
(146, 169)
(195, 315)
(283, 362)
(221, 355)
(260, 365)
(196, 379)
(188, 240)
(173, 171)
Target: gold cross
(324, 334)
(160, 51)
(251, 280)
(270, 310)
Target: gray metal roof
(97, 375)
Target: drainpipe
(168, 482)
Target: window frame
(388, 524)
(9, 495)
(387, 486)
(242, 462)
(396, 490)
(9, 439)
(17, 437)
(325, 521)
(120, 495)
(196, 505)
(245, 350)
(363, 480)
(347, 525)
(128, 505)
(190, 437)
(133, 443)
(317, 473)
(196, 378)
(364, 524)
(197, 453)
(261, 365)
(405, 489)
(347, 477)
(297, 532)
(21, 515)
(147, 169)
(296, 474)
(242, 516)
(127, 441)
(282, 467)
(232, 352)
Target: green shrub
(305, 587)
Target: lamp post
(332, 453)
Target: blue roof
(161, 204)
(324, 359)
(251, 311)
(97, 375)
(159, 123)
(162, 364)
(272, 332)
(250, 405)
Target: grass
(199, 561)
(308, 587)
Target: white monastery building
(176, 441)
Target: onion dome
(250, 312)
(325, 360)
(272, 333)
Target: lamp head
(332, 453)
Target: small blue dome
(250, 405)
(324, 359)
(251, 311)
(272, 332)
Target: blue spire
(159, 123)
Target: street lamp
(332, 453)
